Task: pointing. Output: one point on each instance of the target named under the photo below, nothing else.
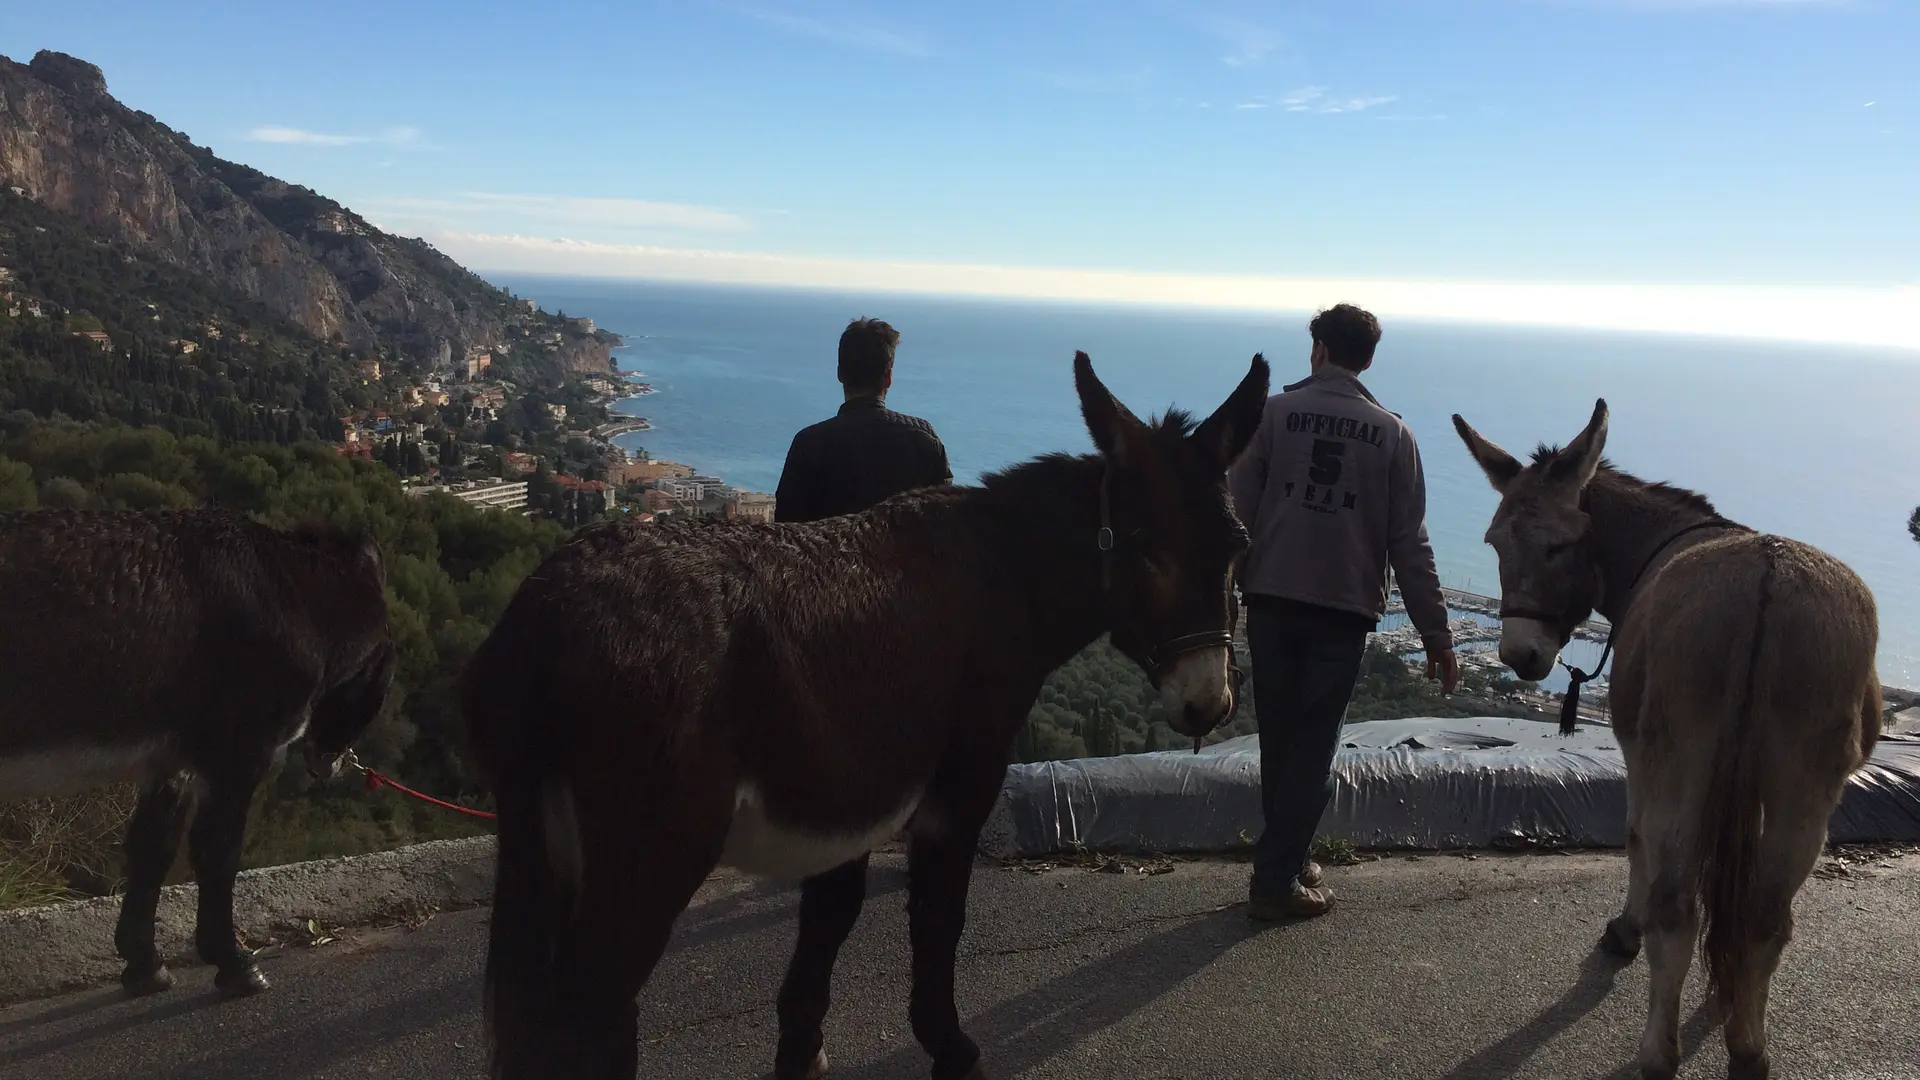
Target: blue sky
(1721, 146)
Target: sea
(1816, 442)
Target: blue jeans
(1305, 661)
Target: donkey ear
(1226, 433)
(1110, 423)
(1499, 465)
(1576, 465)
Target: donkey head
(345, 709)
(1548, 582)
(362, 673)
(1169, 540)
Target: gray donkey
(1744, 695)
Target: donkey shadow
(734, 914)
(1028, 1030)
(1511, 1056)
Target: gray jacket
(1332, 491)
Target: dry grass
(62, 849)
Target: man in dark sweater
(1332, 493)
(868, 452)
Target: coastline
(632, 424)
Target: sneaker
(1311, 875)
(1300, 902)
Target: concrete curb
(61, 947)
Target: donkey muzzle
(320, 764)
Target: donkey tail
(536, 874)
(1730, 819)
(1873, 711)
(535, 883)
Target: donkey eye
(1554, 550)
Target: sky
(1716, 166)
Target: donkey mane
(1014, 477)
(1623, 482)
(1177, 423)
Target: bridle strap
(1106, 541)
(1576, 678)
(1186, 643)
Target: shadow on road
(1509, 1057)
(131, 1014)
(1049, 1020)
(723, 918)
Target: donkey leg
(829, 906)
(604, 956)
(1789, 847)
(1673, 926)
(1624, 931)
(641, 869)
(153, 837)
(940, 869)
(214, 845)
(941, 846)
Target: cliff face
(68, 144)
(590, 354)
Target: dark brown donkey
(183, 650)
(660, 700)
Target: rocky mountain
(67, 144)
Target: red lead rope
(376, 781)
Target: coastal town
(605, 479)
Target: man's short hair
(866, 353)
(1349, 333)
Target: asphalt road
(1433, 967)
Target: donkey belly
(762, 845)
(69, 770)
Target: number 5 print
(1326, 461)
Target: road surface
(1437, 967)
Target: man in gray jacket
(1331, 491)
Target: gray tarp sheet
(1417, 783)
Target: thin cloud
(856, 33)
(1866, 316)
(292, 136)
(1315, 99)
(1248, 44)
(494, 208)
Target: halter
(1159, 655)
(1576, 678)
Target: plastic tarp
(1419, 784)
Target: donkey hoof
(245, 982)
(1749, 1066)
(1620, 940)
(1662, 1071)
(147, 981)
(975, 1073)
(819, 1067)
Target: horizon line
(1883, 317)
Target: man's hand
(1444, 666)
